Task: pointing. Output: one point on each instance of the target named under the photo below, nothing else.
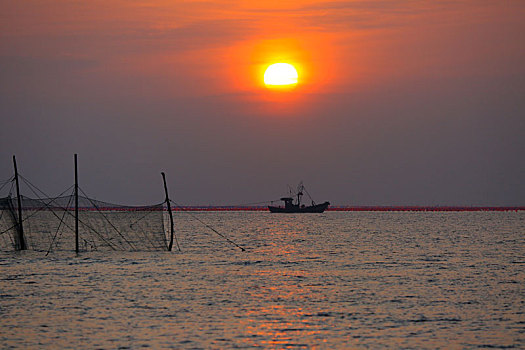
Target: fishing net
(49, 225)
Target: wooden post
(170, 246)
(76, 205)
(21, 240)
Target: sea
(338, 280)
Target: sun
(280, 74)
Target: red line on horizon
(335, 208)
(363, 208)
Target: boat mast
(21, 241)
(300, 188)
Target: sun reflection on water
(331, 281)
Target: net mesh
(49, 225)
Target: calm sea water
(329, 281)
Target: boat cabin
(288, 202)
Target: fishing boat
(298, 207)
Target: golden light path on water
(330, 281)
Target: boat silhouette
(298, 207)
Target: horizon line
(358, 208)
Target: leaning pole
(170, 246)
(21, 241)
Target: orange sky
(222, 44)
(194, 58)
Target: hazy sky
(398, 102)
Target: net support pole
(76, 205)
(168, 203)
(21, 240)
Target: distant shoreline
(359, 208)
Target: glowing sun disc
(280, 74)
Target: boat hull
(318, 208)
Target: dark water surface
(330, 281)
